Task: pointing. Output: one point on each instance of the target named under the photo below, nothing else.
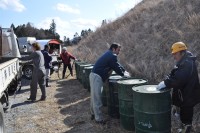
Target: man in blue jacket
(100, 73)
(185, 83)
(47, 63)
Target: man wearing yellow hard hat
(185, 83)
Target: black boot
(47, 83)
(63, 75)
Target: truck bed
(8, 70)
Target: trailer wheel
(2, 124)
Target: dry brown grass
(146, 33)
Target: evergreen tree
(12, 26)
(53, 28)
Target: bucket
(125, 95)
(86, 82)
(152, 109)
(112, 96)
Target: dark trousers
(65, 68)
(38, 77)
(186, 115)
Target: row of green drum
(83, 70)
(140, 107)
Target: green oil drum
(125, 95)
(103, 93)
(152, 109)
(86, 75)
(81, 72)
(112, 96)
(77, 68)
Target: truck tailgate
(8, 70)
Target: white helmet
(64, 48)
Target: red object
(53, 41)
(66, 57)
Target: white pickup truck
(10, 73)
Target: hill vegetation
(146, 34)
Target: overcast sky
(70, 15)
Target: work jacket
(185, 82)
(66, 57)
(47, 59)
(106, 63)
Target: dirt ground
(66, 110)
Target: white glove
(127, 74)
(161, 85)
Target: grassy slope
(146, 33)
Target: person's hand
(127, 74)
(161, 85)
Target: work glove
(127, 74)
(161, 85)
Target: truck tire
(2, 124)
(27, 71)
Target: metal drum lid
(85, 65)
(132, 81)
(114, 78)
(148, 89)
(88, 67)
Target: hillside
(146, 34)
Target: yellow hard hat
(178, 46)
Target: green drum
(81, 74)
(152, 109)
(103, 94)
(106, 87)
(112, 96)
(77, 68)
(125, 95)
(86, 82)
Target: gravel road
(66, 110)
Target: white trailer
(10, 73)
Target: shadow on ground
(74, 100)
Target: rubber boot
(71, 74)
(47, 83)
(63, 75)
